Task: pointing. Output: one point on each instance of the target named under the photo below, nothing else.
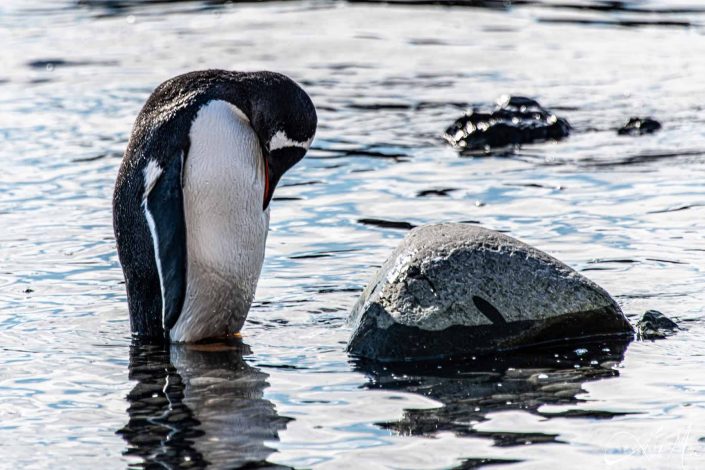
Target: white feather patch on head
(152, 172)
(280, 140)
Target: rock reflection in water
(198, 405)
(522, 381)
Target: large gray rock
(453, 290)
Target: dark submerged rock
(472, 390)
(655, 325)
(516, 120)
(639, 126)
(454, 290)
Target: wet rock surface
(454, 290)
(655, 325)
(516, 120)
(639, 126)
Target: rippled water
(387, 80)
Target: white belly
(226, 228)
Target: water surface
(387, 80)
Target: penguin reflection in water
(195, 407)
(191, 202)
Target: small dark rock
(639, 126)
(516, 120)
(656, 325)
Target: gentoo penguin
(191, 201)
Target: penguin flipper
(164, 208)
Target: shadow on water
(198, 405)
(110, 8)
(645, 15)
(522, 381)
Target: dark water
(629, 212)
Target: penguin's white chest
(226, 228)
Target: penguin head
(284, 119)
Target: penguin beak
(268, 188)
(276, 163)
